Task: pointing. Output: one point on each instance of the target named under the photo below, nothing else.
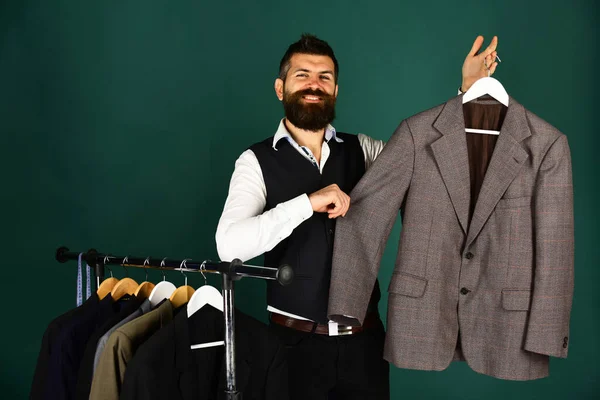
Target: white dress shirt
(244, 230)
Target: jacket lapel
(507, 159)
(450, 152)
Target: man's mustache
(312, 92)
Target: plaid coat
(504, 280)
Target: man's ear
(336, 90)
(279, 88)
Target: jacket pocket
(516, 299)
(516, 202)
(407, 285)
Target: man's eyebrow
(307, 70)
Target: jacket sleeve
(362, 234)
(552, 292)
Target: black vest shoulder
(309, 248)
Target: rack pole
(231, 392)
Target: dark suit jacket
(68, 349)
(52, 332)
(166, 368)
(122, 309)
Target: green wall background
(121, 122)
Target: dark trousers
(336, 367)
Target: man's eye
(325, 77)
(302, 75)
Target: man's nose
(314, 83)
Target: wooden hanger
(108, 284)
(181, 295)
(184, 293)
(123, 287)
(145, 288)
(106, 287)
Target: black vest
(309, 248)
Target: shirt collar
(282, 132)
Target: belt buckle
(344, 330)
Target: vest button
(469, 255)
(464, 291)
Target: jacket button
(464, 290)
(565, 341)
(330, 231)
(469, 255)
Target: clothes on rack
(86, 369)
(166, 368)
(144, 308)
(482, 275)
(48, 346)
(126, 330)
(120, 348)
(68, 350)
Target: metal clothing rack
(230, 271)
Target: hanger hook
(162, 265)
(202, 269)
(488, 68)
(146, 263)
(107, 260)
(183, 264)
(125, 261)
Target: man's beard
(309, 116)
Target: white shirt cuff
(299, 208)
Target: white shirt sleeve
(371, 148)
(244, 230)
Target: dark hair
(308, 44)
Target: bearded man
(285, 195)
